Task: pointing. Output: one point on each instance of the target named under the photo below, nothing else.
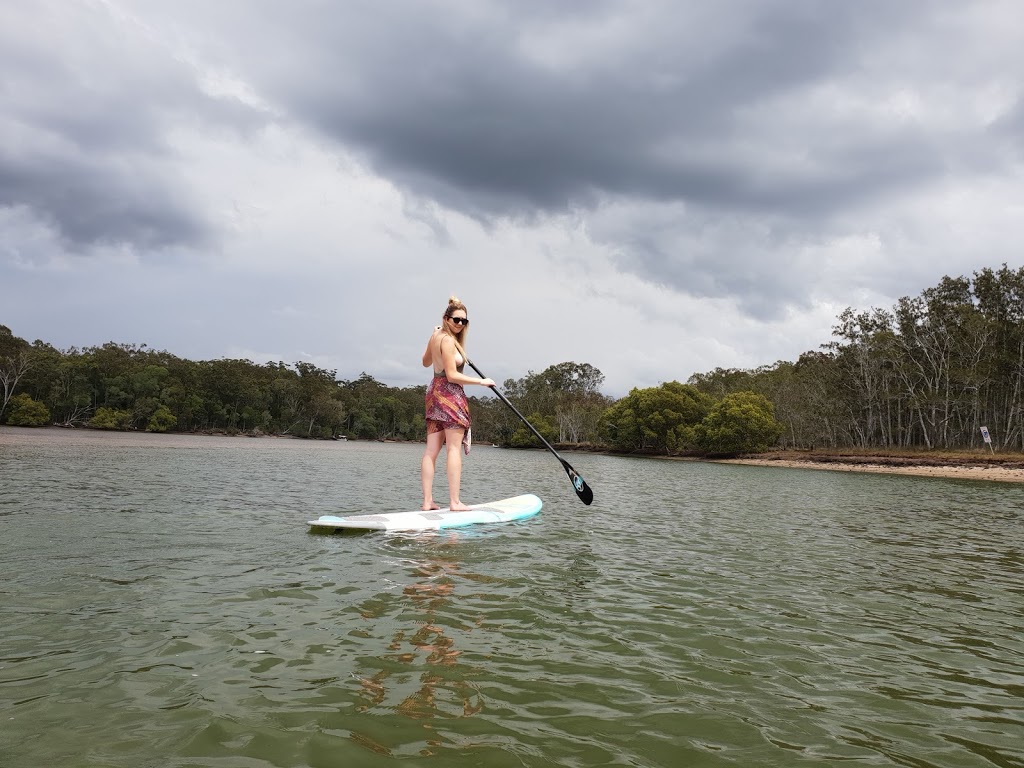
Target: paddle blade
(578, 483)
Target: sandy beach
(960, 468)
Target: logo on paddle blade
(577, 482)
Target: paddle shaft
(579, 484)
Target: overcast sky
(653, 187)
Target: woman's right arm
(451, 372)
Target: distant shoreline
(1005, 468)
(962, 465)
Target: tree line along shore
(925, 375)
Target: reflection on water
(425, 652)
(163, 603)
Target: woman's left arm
(428, 353)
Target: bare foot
(430, 507)
(458, 506)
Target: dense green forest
(128, 387)
(928, 373)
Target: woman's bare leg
(453, 437)
(434, 442)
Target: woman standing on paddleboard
(447, 409)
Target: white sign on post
(988, 438)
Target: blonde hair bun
(453, 304)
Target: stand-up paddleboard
(515, 508)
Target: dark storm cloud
(673, 106)
(732, 120)
(87, 105)
(90, 203)
(706, 145)
(501, 108)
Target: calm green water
(163, 603)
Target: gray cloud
(1010, 127)
(767, 121)
(781, 156)
(90, 204)
(84, 129)
(466, 110)
(500, 109)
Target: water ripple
(166, 605)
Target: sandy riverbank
(1006, 470)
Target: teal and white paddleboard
(515, 508)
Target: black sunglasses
(459, 320)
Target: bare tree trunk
(11, 371)
(77, 414)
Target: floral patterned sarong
(447, 408)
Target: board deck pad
(514, 508)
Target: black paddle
(578, 483)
